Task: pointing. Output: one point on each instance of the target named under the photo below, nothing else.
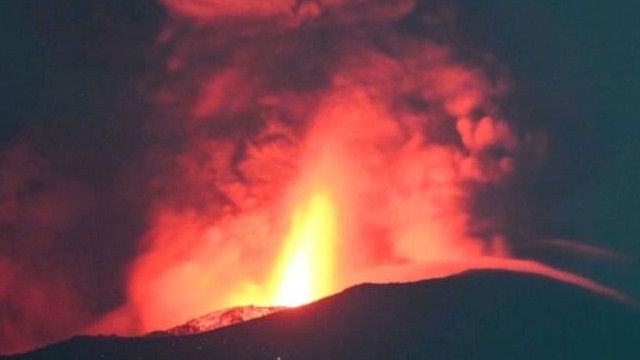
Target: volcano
(488, 314)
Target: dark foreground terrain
(475, 315)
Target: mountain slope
(219, 319)
(475, 315)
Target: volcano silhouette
(473, 315)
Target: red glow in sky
(297, 148)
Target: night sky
(74, 102)
(578, 64)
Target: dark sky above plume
(73, 132)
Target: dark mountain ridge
(473, 315)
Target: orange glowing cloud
(399, 175)
(289, 12)
(395, 134)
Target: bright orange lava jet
(304, 272)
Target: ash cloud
(404, 132)
(36, 206)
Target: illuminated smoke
(36, 206)
(274, 101)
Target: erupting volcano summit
(237, 158)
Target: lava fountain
(305, 269)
